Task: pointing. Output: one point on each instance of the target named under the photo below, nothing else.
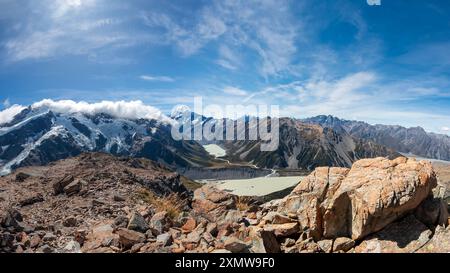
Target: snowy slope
(44, 132)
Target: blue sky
(382, 64)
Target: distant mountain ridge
(307, 146)
(38, 136)
(413, 140)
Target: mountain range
(39, 135)
(415, 140)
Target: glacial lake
(258, 186)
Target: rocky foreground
(100, 203)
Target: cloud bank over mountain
(119, 109)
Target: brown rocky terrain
(100, 203)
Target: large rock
(58, 186)
(212, 203)
(160, 222)
(128, 238)
(340, 202)
(235, 245)
(283, 230)
(73, 187)
(96, 238)
(137, 223)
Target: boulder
(160, 222)
(97, 237)
(270, 242)
(235, 245)
(58, 186)
(128, 238)
(340, 202)
(283, 230)
(212, 203)
(343, 244)
(326, 245)
(73, 187)
(189, 225)
(164, 239)
(137, 223)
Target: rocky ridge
(123, 205)
(413, 140)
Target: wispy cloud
(74, 27)
(156, 78)
(266, 28)
(234, 91)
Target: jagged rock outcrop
(340, 202)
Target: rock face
(340, 202)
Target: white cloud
(121, 109)
(445, 129)
(157, 78)
(234, 91)
(8, 114)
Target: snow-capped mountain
(46, 132)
